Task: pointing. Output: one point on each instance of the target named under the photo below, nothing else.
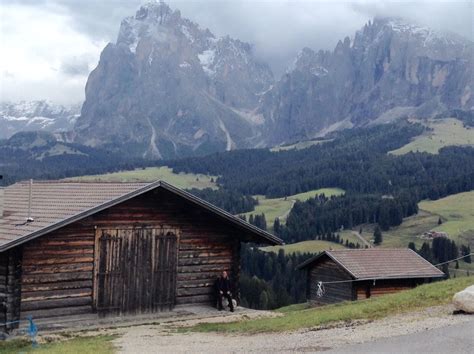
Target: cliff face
(168, 88)
(389, 69)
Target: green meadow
(280, 207)
(444, 132)
(151, 174)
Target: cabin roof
(379, 263)
(55, 204)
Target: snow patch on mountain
(36, 115)
(206, 58)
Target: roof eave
(271, 239)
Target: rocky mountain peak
(36, 115)
(168, 88)
(422, 40)
(153, 20)
(390, 69)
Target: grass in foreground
(299, 316)
(83, 345)
(151, 174)
(446, 132)
(280, 207)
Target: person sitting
(224, 290)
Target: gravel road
(457, 339)
(163, 339)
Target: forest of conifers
(379, 188)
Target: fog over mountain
(55, 64)
(166, 86)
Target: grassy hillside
(445, 132)
(300, 145)
(312, 246)
(456, 212)
(300, 316)
(150, 174)
(280, 207)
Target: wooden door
(135, 270)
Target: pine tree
(276, 226)
(425, 252)
(411, 246)
(466, 251)
(377, 236)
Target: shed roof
(379, 263)
(55, 204)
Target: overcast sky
(49, 46)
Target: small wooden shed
(356, 274)
(78, 248)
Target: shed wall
(367, 289)
(326, 270)
(10, 289)
(58, 268)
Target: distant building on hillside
(356, 274)
(434, 234)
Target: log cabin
(112, 249)
(356, 274)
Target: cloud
(50, 45)
(76, 66)
(40, 51)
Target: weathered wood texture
(136, 270)
(367, 289)
(58, 268)
(326, 270)
(10, 288)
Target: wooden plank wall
(58, 268)
(327, 270)
(383, 287)
(10, 288)
(57, 273)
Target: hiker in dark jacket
(224, 290)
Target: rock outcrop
(168, 88)
(464, 300)
(36, 115)
(388, 70)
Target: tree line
(270, 280)
(321, 214)
(441, 250)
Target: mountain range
(168, 88)
(36, 116)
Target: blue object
(32, 332)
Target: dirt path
(363, 240)
(162, 338)
(285, 215)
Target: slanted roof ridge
(64, 181)
(361, 268)
(142, 187)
